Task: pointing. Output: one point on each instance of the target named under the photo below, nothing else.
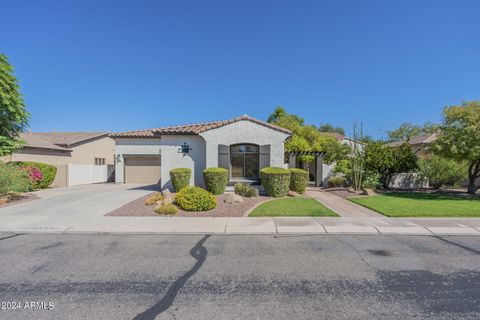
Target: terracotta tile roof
(194, 129)
(58, 140)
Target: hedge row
(278, 181)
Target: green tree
(306, 138)
(408, 130)
(327, 127)
(282, 118)
(460, 138)
(13, 115)
(387, 161)
(404, 132)
(441, 171)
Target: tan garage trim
(142, 169)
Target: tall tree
(13, 115)
(388, 161)
(307, 138)
(408, 130)
(327, 127)
(282, 118)
(460, 138)
(404, 132)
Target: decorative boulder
(233, 198)
(351, 190)
(168, 200)
(293, 194)
(369, 192)
(166, 192)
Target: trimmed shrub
(13, 179)
(298, 180)
(371, 181)
(441, 171)
(337, 181)
(215, 180)
(245, 190)
(47, 173)
(180, 178)
(275, 181)
(153, 199)
(195, 199)
(168, 209)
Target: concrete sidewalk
(340, 205)
(247, 225)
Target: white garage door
(142, 170)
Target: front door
(244, 161)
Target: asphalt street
(239, 277)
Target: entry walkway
(342, 206)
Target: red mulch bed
(138, 208)
(10, 200)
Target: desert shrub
(441, 171)
(343, 167)
(215, 180)
(195, 199)
(298, 180)
(168, 209)
(13, 179)
(42, 180)
(180, 178)
(245, 190)
(275, 181)
(337, 181)
(371, 180)
(153, 199)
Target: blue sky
(124, 65)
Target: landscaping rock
(168, 200)
(294, 194)
(351, 190)
(166, 192)
(369, 192)
(233, 198)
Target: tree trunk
(473, 175)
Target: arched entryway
(244, 161)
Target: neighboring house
(242, 145)
(420, 144)
(74, 153)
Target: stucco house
(80, 157)
(243, 145)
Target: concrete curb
(250, 226)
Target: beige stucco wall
(86, 153)
(42, 155)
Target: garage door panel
(142, 170)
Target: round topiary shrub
(215, 180)
(298, 180)
(195, 199)
(168, 209)
(275, 181)
(337, 182)
(180, 178)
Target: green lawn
(293, 207)
(421, 205)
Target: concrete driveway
(71, 205)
